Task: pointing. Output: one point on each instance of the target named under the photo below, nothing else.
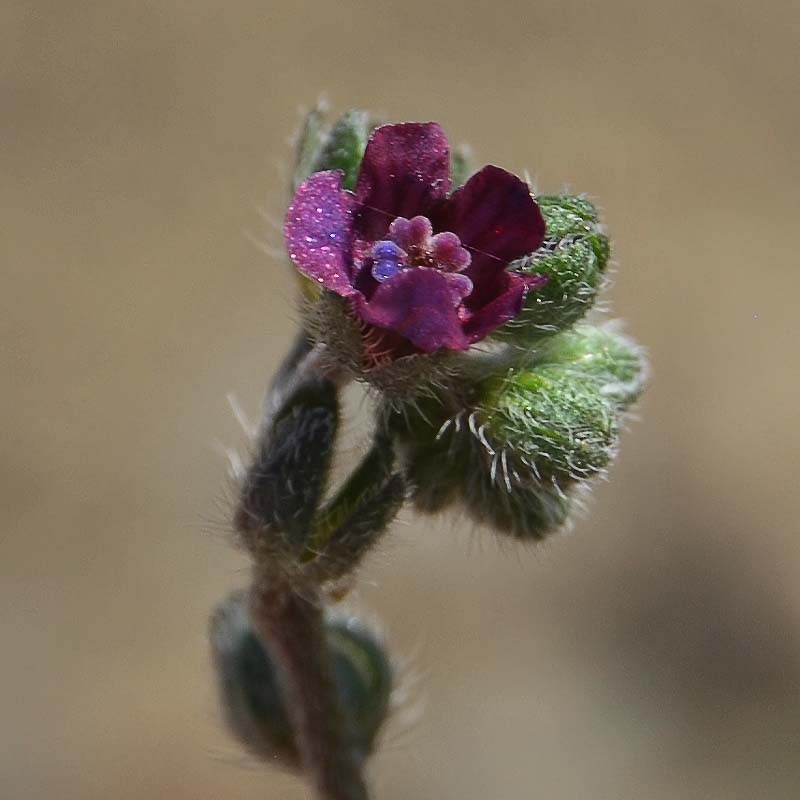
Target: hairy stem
(303, 361)
(289, 621)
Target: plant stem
(289, 621)
(302, 363)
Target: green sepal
(339, 147)
(357, 516)
(344, 146)
(309, 144)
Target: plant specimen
(458, 299)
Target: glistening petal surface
(496, 218)
(318, 231)
(406, 169)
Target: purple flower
(422, 269)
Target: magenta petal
(497, 220)
(420, 304)
(503, 308)
(318, 231)
(447, 252)
(406, 168)
(460, 286)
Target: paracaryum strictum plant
(459, 299)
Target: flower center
(412, 243)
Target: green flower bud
(568, 215)
(344, 146)
(527, 512)
(364, 677)
(251, 696)
(516, 449)
(550, 419)
(573, 258)
(248, 691)
(617, 363)
(452, 460)
(340, 147)
(309, 144)
(433, 487)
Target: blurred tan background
(654, 652)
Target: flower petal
(421, 305)
(497, 220)
(506, 305)
(318, 231)
(406, 169)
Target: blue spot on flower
(388, 260)
(383, 270)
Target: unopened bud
(573, 258)
(309, 144)
(339, 147)
(528, 511)
(526, 440)
(605, 355)
(550, 419)
(251, 696)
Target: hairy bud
(516, 451)
(573, 259)
(529, 512)
(338, 147)
(251, 696)
(432, 464)
(344, 146)
(614, 361)
(552, 420)
(309, 144)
